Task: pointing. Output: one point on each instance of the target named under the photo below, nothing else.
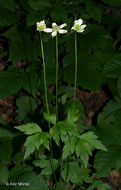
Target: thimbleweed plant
(78, 28)
(55, 30)
(41, 27)
(63, 150)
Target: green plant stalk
(56, 78)
(44, 74)
(46, 98)
(75, 82)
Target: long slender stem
(56, 77)
(44, 73)
(46, 98)
(75, 83)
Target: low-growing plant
(62, 149)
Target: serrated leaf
(26, 105)
(33, 143)
(83, 146)
(45, 140)
(54, 131)
(3, 173)
(112, 107)
(107, 129)
(50, 117)
(6, 134)
(86, 143)
(31, 83)
(66, 150)
(10, 82)
(112, 68)
(29, 128)
(73, 144)
(49, 166)
(94, 11)
(106, 161)
(21, 47)
(66, 127)
(61, 186)
(18, 170)
(12, 142)
(73, 111)
(81, 174)
(99, 185)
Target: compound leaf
(29, 128)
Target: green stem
(75, 83)
(56, 78)
(46, 98)
(44, 73)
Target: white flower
(78, 27)
(58, 29)
(41, 26)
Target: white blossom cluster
(78, 27)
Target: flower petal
(63, 25)
(80, 21)
(63, 31)
(80, 31)
(54, 24)
(48, 30)
(83, 26)
(72, 28)
(75, 22)
(42, 22)
(54, 33)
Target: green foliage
(9, 84)
(8, 4)
(83, 146)
(32, 82)
(25, 174)
(106, 161)
(3, 173)
(112, 3)
(33, 143)
(99, 185)
(81, 174)
(36, 139)
(50, 118)
(39, 4)
(69, 144)
(93, 11)
(29, 128)
(26, 105)
(48, 166)
(113, 67)
(14, 152)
